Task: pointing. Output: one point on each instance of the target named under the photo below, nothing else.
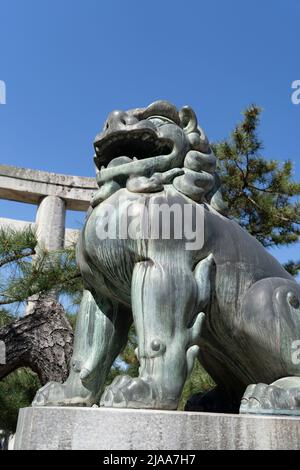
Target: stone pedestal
(112, 429)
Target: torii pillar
(50, 232)
(53, 194)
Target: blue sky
(66, 64)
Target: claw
(84, 374)
(191, 355)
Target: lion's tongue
(119, 161)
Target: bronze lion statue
(200, 289)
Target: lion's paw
(270, 399)
(128, 392)
(51, 392)
(56, 394)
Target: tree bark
(42, 341)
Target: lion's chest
(110, 252)
(128, 228)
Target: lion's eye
(159, 120)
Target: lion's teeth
(135, 159)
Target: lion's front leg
(101, 333)
(167, 319)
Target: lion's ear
(188, 120)
(195, 135)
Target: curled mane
(200, 180)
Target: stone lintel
(16, 224)
(30, 186)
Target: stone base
(57, 428)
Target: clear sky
(67, 63)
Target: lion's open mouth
(122, 147)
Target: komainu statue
(158, 250)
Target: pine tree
(21, 278)
(16, 390)
(28, 340)
(260, 192)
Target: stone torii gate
(53, 194)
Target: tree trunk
(5, 438)
(42, 341)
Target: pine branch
(260, 192)
(293, 267)
(16, 257)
